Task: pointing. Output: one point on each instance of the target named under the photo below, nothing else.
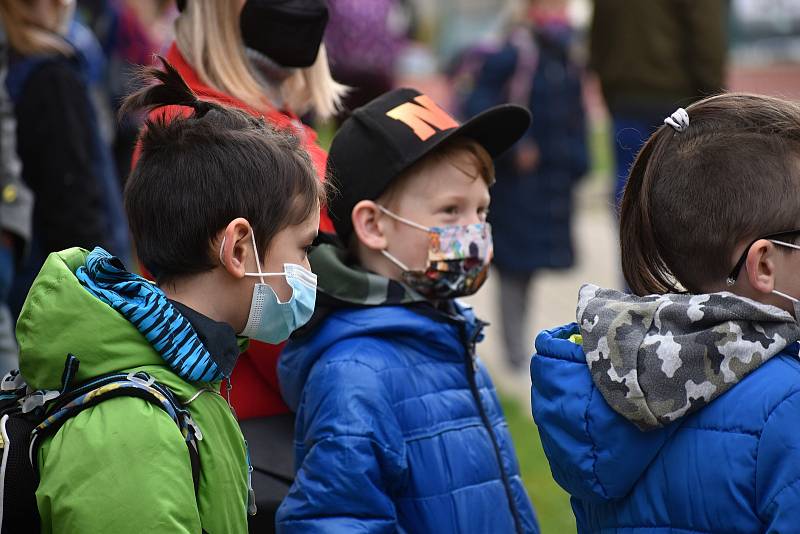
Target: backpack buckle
(143, 379)
(12, 381)
(38, 399)
(198, 435)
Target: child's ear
(760, 266)
(236, 252)
(367, 226)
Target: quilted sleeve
(355, 454)
(778, 467)
(575, 424)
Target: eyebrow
(459, 198)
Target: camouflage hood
(658, 358)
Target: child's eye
(450, 210)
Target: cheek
(412, 248)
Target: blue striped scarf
(148, 309)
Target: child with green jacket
(222, 208)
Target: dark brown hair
(694, 196)
(198, 172)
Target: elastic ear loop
(404, 221)
(260, 274)
(258, 258)
(790, 245)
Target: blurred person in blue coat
(532, 202)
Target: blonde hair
(207, 34)
(29, 35)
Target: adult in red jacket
(243, 53)
(219, 62)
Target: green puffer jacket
(122, 466)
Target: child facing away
(225, 207)
(399, 428)
(676, 408)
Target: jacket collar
(218, 338)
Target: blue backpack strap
(71, 402)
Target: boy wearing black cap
(398, 424)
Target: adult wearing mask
(266, 58)
(65, 160)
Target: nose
(472, 218)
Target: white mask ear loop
(784, 295)
(785, 244)
(258, 258)
(255, 251)
(775, 291)
(403, 219)
(395, 260)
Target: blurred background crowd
(599, 76)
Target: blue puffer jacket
(392, 434)
(733, 466)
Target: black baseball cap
(388, 135)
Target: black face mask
(289, 32)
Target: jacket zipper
(471, 368)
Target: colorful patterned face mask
(458, 259)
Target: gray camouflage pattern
(658, 358)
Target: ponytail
(643, 265)
(169, 90)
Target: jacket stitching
(795, 482)
(496, 480)
(594, 445)
(335, 437)
(670, 527)
(742, 432)
(758, 450)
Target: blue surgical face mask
(271, 320)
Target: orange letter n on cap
(424, 118)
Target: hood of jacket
(87, 305)
(658, 358)
(609, 391)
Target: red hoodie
(255, 391)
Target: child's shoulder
(750, 404)
(384, 339)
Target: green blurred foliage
(551, 502)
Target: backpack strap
(141, 385)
